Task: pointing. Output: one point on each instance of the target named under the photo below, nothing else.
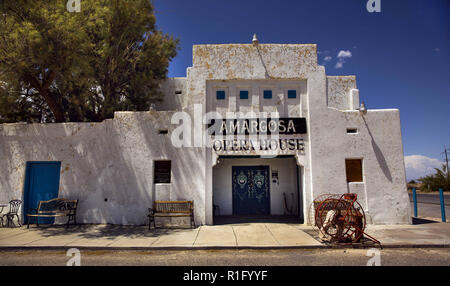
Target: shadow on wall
(107, 166)
(264, 65)
(188, 163)
(7, 191)
(94, 169)
(379, 155)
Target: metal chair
(14, 206)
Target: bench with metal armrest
(54, 208)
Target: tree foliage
(440, 179)
(57, 66)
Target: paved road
(431, 199)
(291, 257)
(428, 206)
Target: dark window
(163, 131)
(353, 168)
(352, 130)
(220, 94)
(243, 94)
(162, 172)
(292, 93)
(267, 94)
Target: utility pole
(446, 157)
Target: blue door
(41, 184)
(251, 190)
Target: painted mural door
(41, 184)
(251, 190)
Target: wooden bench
(171, 209)
(54, 208)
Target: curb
(178, 248)
(416, 246)
(175, 248)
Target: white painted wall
(114, 159)
(286, 107)
(111, 160)
(329, 104)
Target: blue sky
(400, 56)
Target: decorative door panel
(251, 194)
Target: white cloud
(436, 50)
(327, 58)
(419, 166)
(339, 65)
(344, 54)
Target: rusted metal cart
(339, 218)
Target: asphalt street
(286, 257)
(428, 206)
(431, 198)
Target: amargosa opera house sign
(259, 145)
(258, 127)
(281, 126)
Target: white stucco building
(118, 167)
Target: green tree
(440, 179)
(58, 66)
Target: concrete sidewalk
(238, 236)
(251, 235)
(423, 233)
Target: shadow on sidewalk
(416, 220)
(246, 219)
(107, 231)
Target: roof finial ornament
(362, 108)
(255, 40)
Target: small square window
(243, 94)
(267, 94)
(353, 169)
(292, 93)
(220, 94)
(162, 172)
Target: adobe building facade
(310, 137)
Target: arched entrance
(257, 189)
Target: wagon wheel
(359, 221)
(313, 207)
(340, 220)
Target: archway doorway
(257, 189)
